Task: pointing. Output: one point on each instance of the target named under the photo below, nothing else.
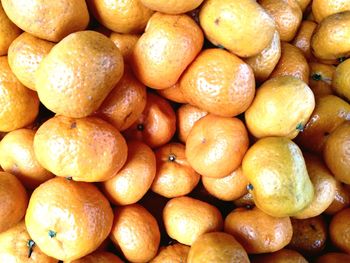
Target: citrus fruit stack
(174, 131)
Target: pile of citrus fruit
(173, 131)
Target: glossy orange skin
(176, 253)
(216, 145)
(63, 146)
(281, 256)
(333, 258)
(90, 73)
(257, 231)
(49, 20)
(184, 221)
(217, 247)
(125, 43)
(323, 8)
(173, 6)
(67, 219)
(330, 111)
(302, 39)
(341, 80)
(132, 182)
(14, 201)
(132, 16)
(174, 177)
(174, 93)
(287, 15)
(186, 116)
(341, 199)
(20, 106)
(156, 125)
(125, 103)
(320, 80)
(25, 54)
(219, 82)
(14, 247)
(98, 257)
(17, 157)
(135, 232)
(339, 229)
(170, 43)
(292, 63)
(8, 32)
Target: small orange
(174, 93)
(132, 182)
(320, 80)
(280, 256)
(164, 51)
(156, 125)
(339, 230)
(176, 253)
(226, 91)
(135, 232)
(173, 6)
(341, 199)
(292, 63)
(228, 188)
(87, 149)
(125, 103)
(125, 43)
(17, 157)
(184, 219)
(341, 80)
(323, 8)
(217, 247)
(14, 201)
(303, 38)
(216, 145)
(61, 218)
(98, 257)
(333, 257)
(186, 116)
(121, 16)
(20, 106)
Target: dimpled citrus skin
(25, 54)
(244, 35)
(68, 219)
(50, 20)
(341, 80)
(78, 73)
(276, 169)
(125, 43)
(331, 39)
(176, 253)
(303, 38)
(87, 149)
(339, 230)
(219, 82)
(163, 52)
(98, 257)
(8, 32)
(19, 105)
(323, 8)
(172, 6)
(173, 93)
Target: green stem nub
(340, 60)
(316, 76)
(30, 245)
(52, 233)
(300, 127)
(250, 187)
(69, 178)
(140, 127)
(172, 157)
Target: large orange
(323, 8)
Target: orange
(98, 257)
(287, 15)
(87, 149)
(173, 6)
(331, 39)
(323, 8)
(121, 16)
(258, 232)
(163, 52)
(50, 20)
(132, 182)
(184, 219)
(216, 145)
(341, 80)
(243, 27)
(17, 246)
(14, 201)
(24, 56)
(309, 235)
(174, 177)
(292, 63)
(282, 106)
(20, 106)
(173, 93)
(125, 43)
(320, 80)
(330, 111)
(17, 157)
(339, 230)
(281, 256)
(176, 253)
(264, 62)
(217, 247)
(8, 32)
(186, 116)
(303, 38)
(333, 257)
(125, 103)
(78, 73)
(226, 91)
(303, 4)
(340, 201)
(156, 125)
(135, 232)
(228, 188)
(61, 218)
(336, 152)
